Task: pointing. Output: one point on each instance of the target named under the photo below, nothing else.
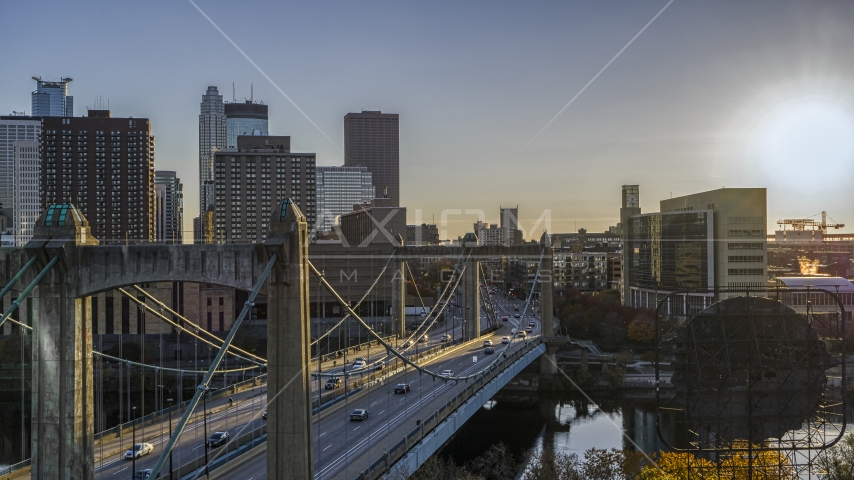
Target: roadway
(343, 448)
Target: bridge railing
(352, 350)
(7, 471)
(399, 449)
(159, 415)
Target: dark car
(517, 316)
(264, 415)
(332, 383)
(505, 318)
(401, 388)
(489, 351)
(143, 474)
(515, 309)
(359, 414)
(218, 439)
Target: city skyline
(692, 103)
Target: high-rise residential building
(489, 234)
(170, 207)
(630, 207)
(252, 179)
(376, 222)
(338, 189)
(20, 178)
(246, 118)
(697, 247)
(212, 138)
(421, 235)
(510, 225)
(372, 140)
(51, 99)
(104, 166)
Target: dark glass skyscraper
(372, 140)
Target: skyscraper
(51, 99)
(338, 189)
(20, 178)
(104, 166)
(252, 179)
(510, 225)
(372, 140)
(212, 138)
(246, 118)
(170, 207)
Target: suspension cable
(423, 307)
(203, 387)
(17, 303)
(255, 359)
(17, 276)
(392, 349)
(360, 300)
(167, 369)
(178, 326)
(489, 296)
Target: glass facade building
(51, 99)
(170, 207)
(247, 118)
(20, 178)
(338, 189)
(212, 138)
(670, 251)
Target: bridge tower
(63, 432)
(548, 365)
(471, 287)
(398, 294)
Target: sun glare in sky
(806, 144)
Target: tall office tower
(338, 189)
(510, 225)
(247, 118)
(104, 166)
(251, 181)
(20, 178)
(51, 99)
(371, 140)
(212, 138)
(170, 207)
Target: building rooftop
(834, 284)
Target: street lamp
(205, 421)
(133, 444)
(170, 422)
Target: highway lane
(191, 444)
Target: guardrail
(333, 356)
(398, 450)
(18, 469)
(226, 453)
(158, 415)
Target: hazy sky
(711, 94)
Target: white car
(487, 343)
(139, 450)
(358, 365)
(522, 334)
(447, 373)
(505, 340)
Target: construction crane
(804, 223)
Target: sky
(708, 95)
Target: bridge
(301, 436)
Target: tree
(642, 329)
(497, 463)
(838, 460)
(443, 469)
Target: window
(746, 233)
(221, 321)
(745, 271)
(746, 258)
(745, 246)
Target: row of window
(745, 271)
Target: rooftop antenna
(233, 93)
(252, 93)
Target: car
(407, 344)
(359, 364)
(505, 318)
(521, 334)
(143, 474)
(513, 332)
(515, 309)
(447, 373)
(445, 338)
(517, 316)
(218, 439)
(139, 450)
(401, 388)
(489, 351)
(423, 339)
(505, 340)
(359, 414)
(529, 329)
(264, 415)
(531, 323)
(332, 383)
(487, 343)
